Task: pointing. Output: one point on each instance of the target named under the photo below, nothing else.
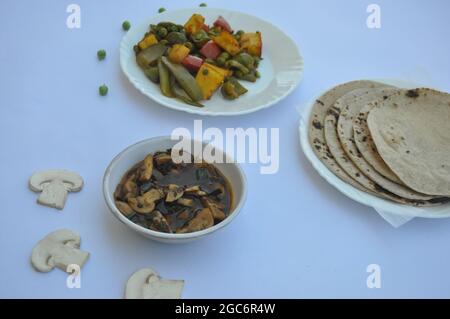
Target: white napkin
(393, 219)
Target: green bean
(246, 60)
(235, 64)
(189, 45)
(200, 38)
(153, 28)
(176, 38)
(211, 61)
(223, 58)
(152, 73)
(166, 24)
(164, 79)
(149, 56)
(184, 79)
(182, 96)
(251, 77)
(232, 89)
(238, 35)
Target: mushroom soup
(161, 195)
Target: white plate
(381, 205)
(281, 68)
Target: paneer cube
(227, 42)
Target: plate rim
(353, 193)
(204, 111)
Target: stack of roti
(390, 142)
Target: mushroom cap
(71, 180)
(41, 256)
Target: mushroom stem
(54, 194)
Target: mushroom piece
(146, 203)
(146, 169)
(130, 188)
(147, 284)
(215, 207)
(162, 158)
(188, 202)
(156, 221)
(203, 219)
(195, 190)
(58, 249)
(124, 208)
(54, 185)
(174, 192)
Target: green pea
(202, 4)
(162, 32)
(161, 10)
(205, 71)
(103, 90)
(126, 25)
(101, 54)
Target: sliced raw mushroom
(203, 219)
(156, 221)
(146, 203)
(58, 249)
(54, 185)
(188, 202)
(174, 192)
(162, 158)
(124, 208)
(146, 168)
(147, 284)
(195, 190)
(215, 207)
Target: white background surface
(296, 237)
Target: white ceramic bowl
(135, 153)
(281, 68)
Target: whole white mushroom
(54, 185)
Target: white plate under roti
(379, 204)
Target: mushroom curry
(161, 195)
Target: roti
(350, 105)
(366, 146)
(316, 127)
(411, 131)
